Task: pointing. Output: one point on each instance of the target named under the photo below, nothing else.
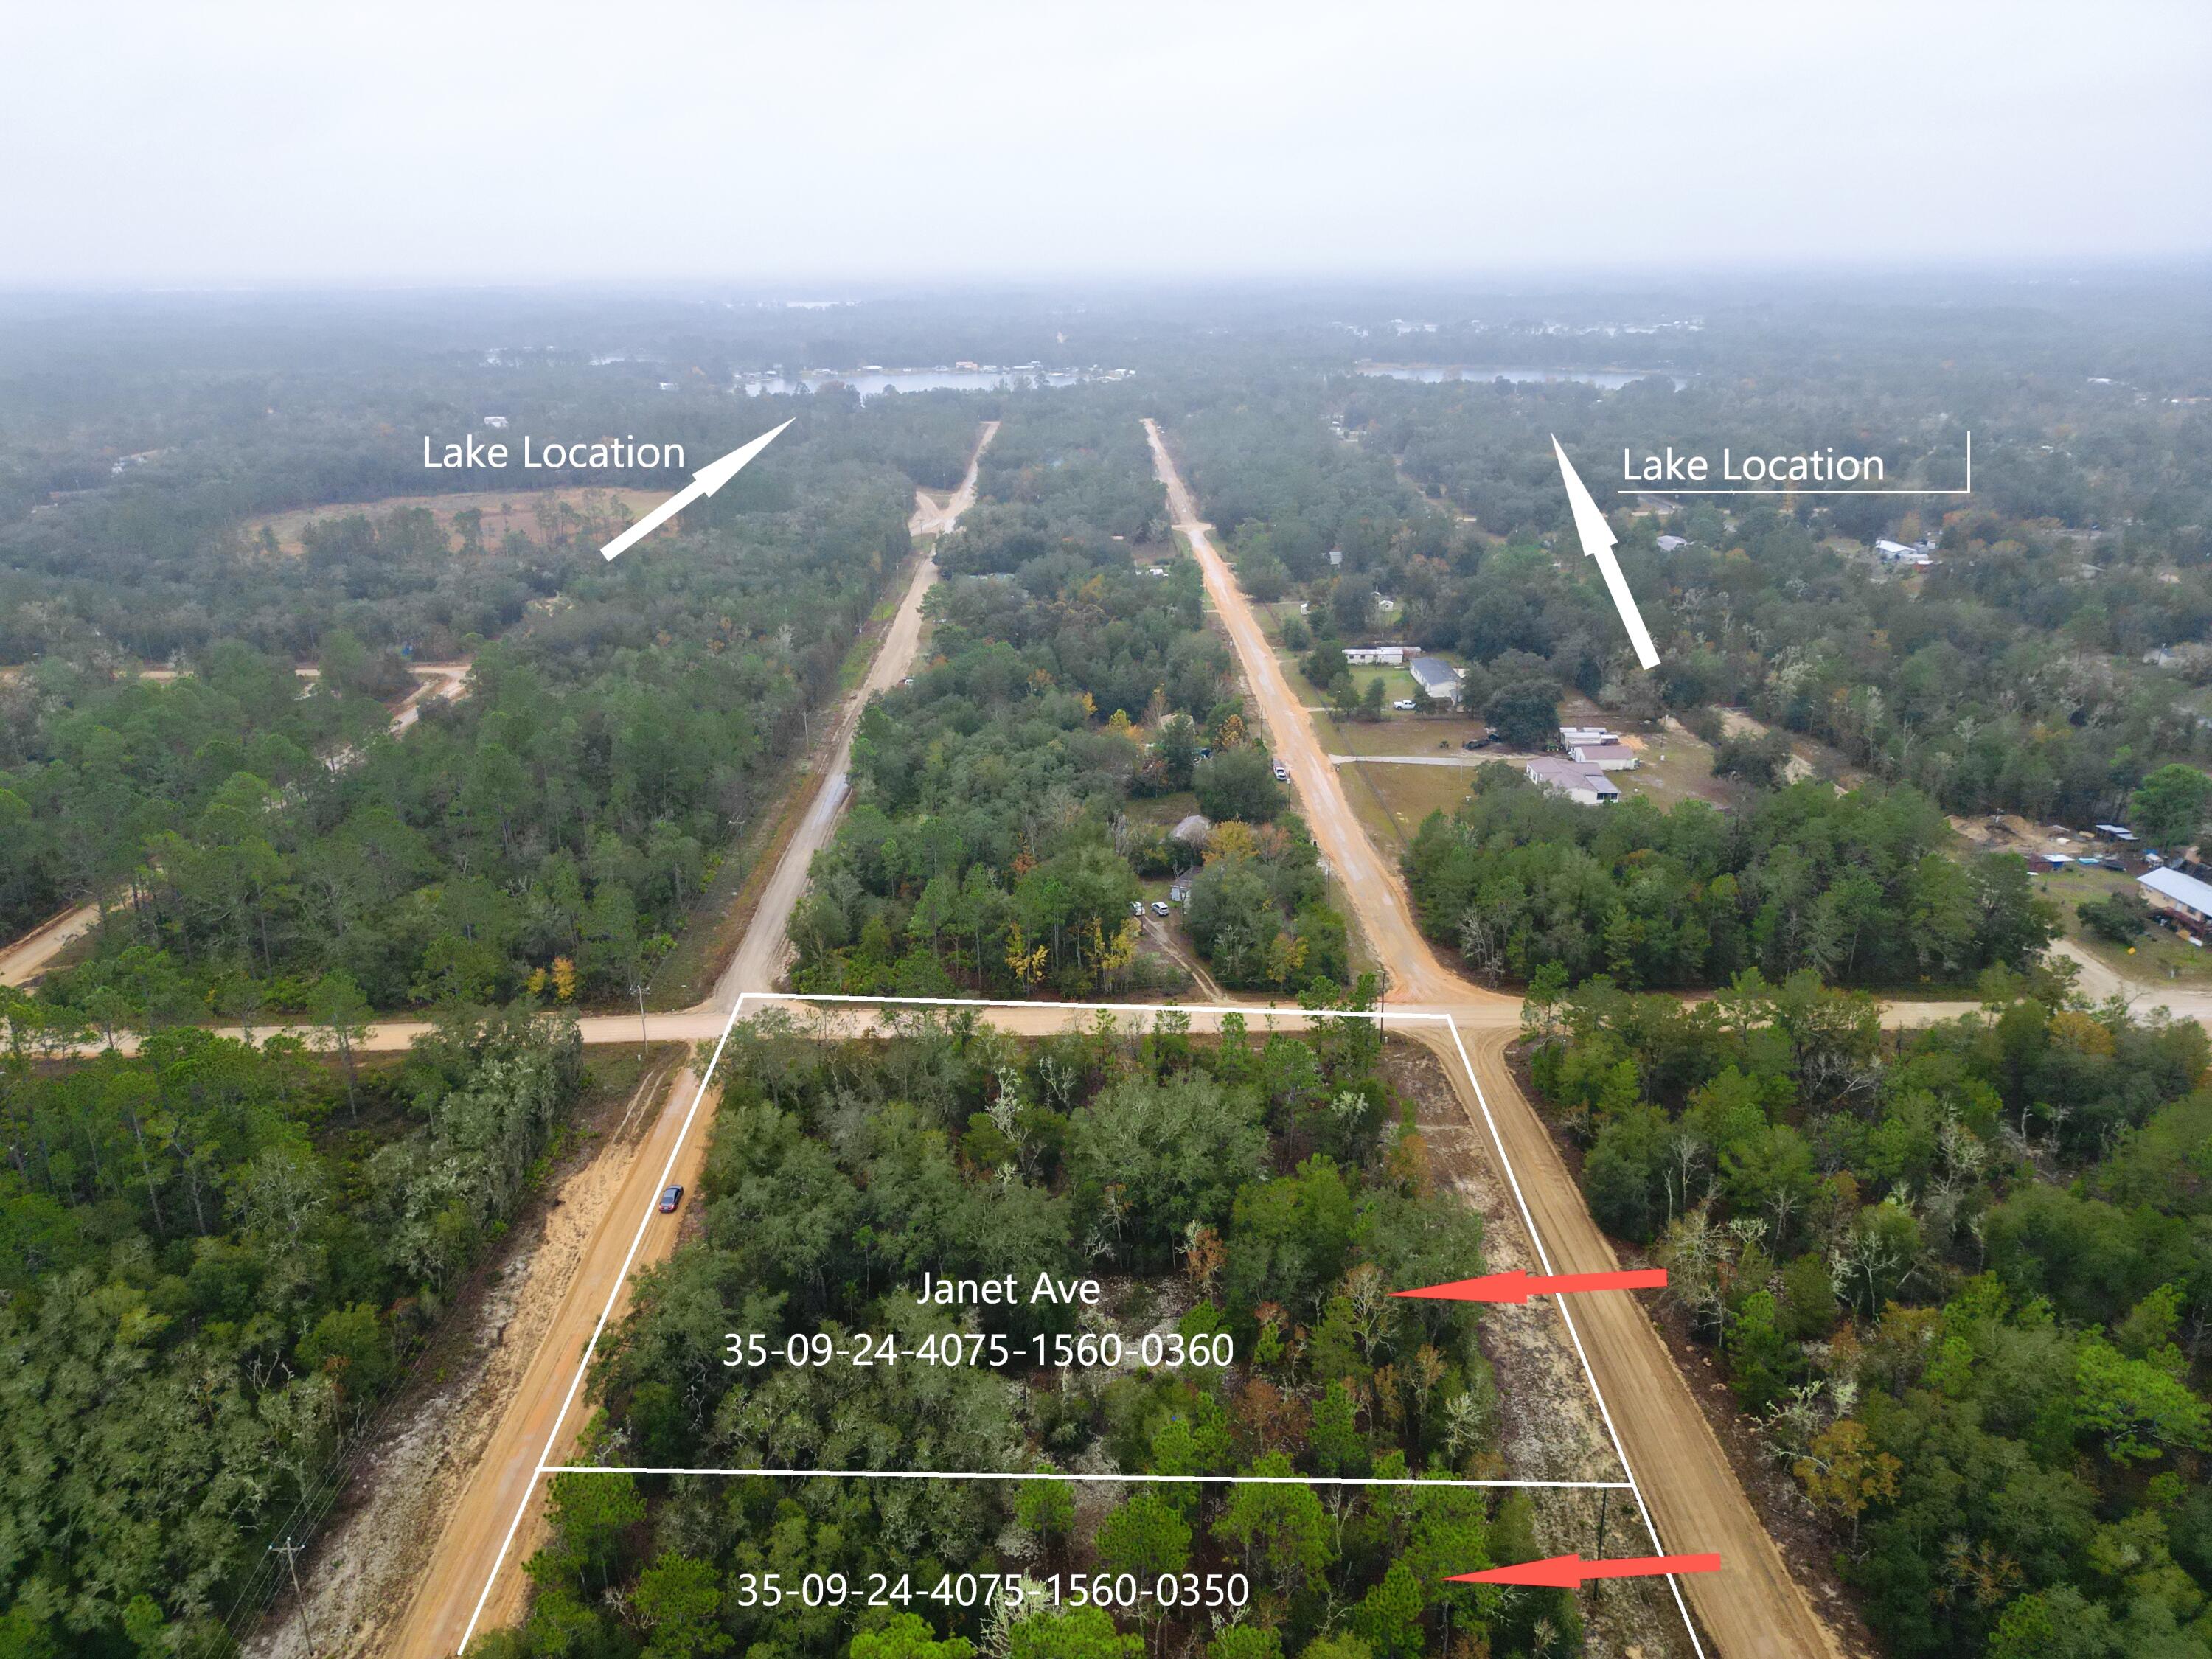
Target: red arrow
(1567, 1571)
(1517, 1286)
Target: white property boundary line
(1094, 1480)
(544, 1468)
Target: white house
(497, 422)
(1373, 656)
(1582, 784)
(2192, 897)
(1606, 757)
(1919, 555)
(1571, 735)
(1438, 678)
(1673, 544)
(1336, 556)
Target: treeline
(550, 829)
(1070, 474)
(1258, 1192)
(1285, 492)
(2013, 679)
(2071, 452)
(992, 846)
(214, 1259)
(1959, 1285)
(1863, 887)
(94, 768)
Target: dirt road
(1753, 1607)
(25, 959)
(758, 961)
(493, 1500)
(1416, 976)
(497, 1520)
(442, 682)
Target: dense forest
(998, 834)
(263, 847)
(1863, 887)
(1244, 1205)
(1959, 1282)
(215, 1259)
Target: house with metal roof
(1577, 782)
(1606, 757)
(1438, 678)
(2172, 891)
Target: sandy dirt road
(759, 959)
(471, 1542)
(442, 682)
(503, 1494)
(26, 958)
(1415, 974)
(1752, 1608)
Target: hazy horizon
(874, 145)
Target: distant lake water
(1610, 379)
(868, 382)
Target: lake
(868, 382)
(1611, 378)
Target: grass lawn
(1674, 767)
(1301, 688)
(1405, 734)
(1168, 811)
(2159, 956)
(1398, 732)
(1391, 801)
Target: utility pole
(644, 1037)
(291, 1553)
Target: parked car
(1405, 705)
(1136, 906)
(1159, 907)
(1476, 743)
(1282, 772)
(670, 1199)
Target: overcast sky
(492, 143)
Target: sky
(235, 144)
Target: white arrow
(705, 482)
(1597, 540)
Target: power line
(291, 1553)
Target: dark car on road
(670, 1199)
